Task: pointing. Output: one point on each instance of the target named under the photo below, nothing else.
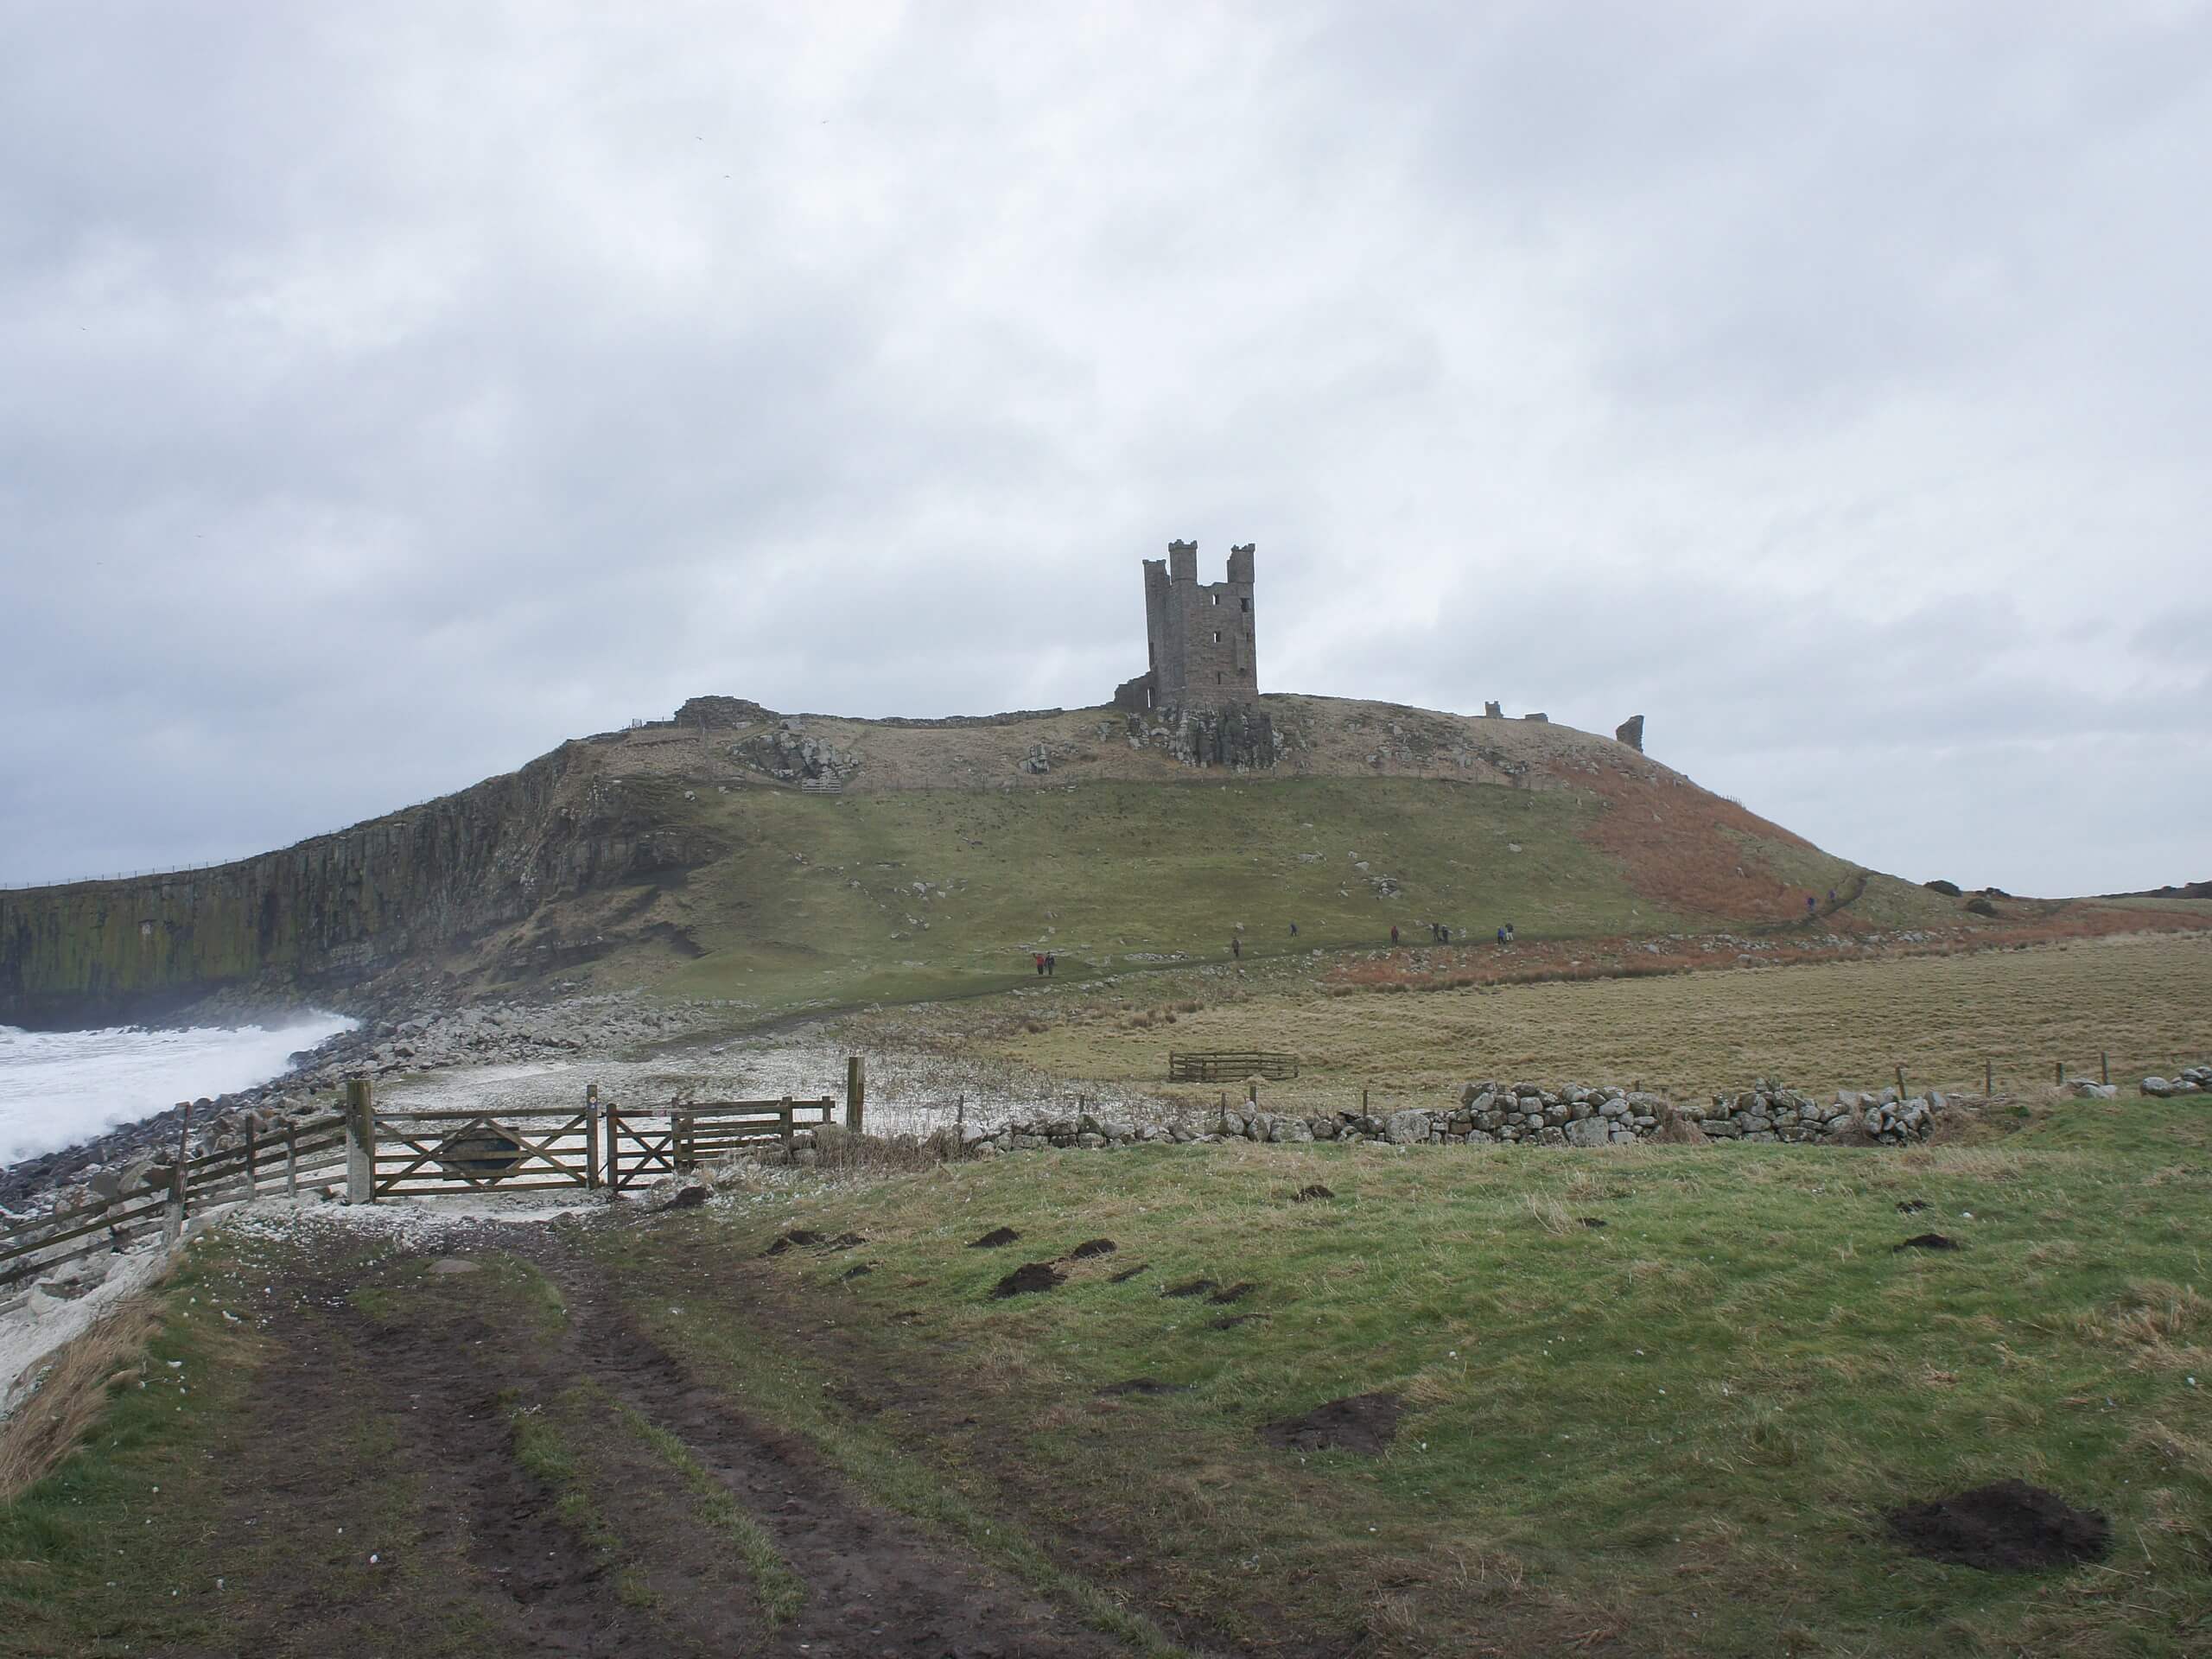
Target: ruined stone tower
(1200, 635)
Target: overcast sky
(389, 391)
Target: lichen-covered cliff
(412, 891)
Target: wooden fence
(1224, 1066)
(404, 1154)
(268, 1161)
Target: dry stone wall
(1514, 1114)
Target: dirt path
(378, 1499)
(875, 1583)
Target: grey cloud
(384, 397)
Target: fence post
(613, 1148)
(172, 1211)
(591, 1136)
(1988, 1078)
(2104, 1065)
(2058, 1072)
(786, 1106)
(1901, 1092)
(252, 1162)
(360, 1142)
(855, 1093)
(291, 1160)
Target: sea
(57, 1087)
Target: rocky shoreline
(482, 1035)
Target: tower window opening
(1216, 636)
(1248, 604)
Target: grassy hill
(789, 861)
(937, 865)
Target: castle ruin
(1199, 635)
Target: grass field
(1677, 1432)
(2144, 999)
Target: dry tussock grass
(1550, 1214)
(70, 1390)
(2189, 1452)
(2161, 1324)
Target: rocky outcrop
(1630, 732)
(791, 755)
(1240, 737)
(337, 912)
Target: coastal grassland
(183, 1512)
(1677, 1432)
(922, 893)
(2146, 999)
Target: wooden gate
(639, 1148)
(528, 1149)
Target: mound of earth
(2008, 1524)
(993, 1239)
(1360, 1422)
(1308, 1194)
(1236, 1293)
(1028, 1279)
(1192, 1288)
(1928, 1241)
(1127, 1274)
(1089, 1247)
(791, 1242)
(1146, 1385)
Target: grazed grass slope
(936, 891)
(1674, 1432)
(2146, 1000)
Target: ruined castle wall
(1201, 636)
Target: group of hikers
(1438, 933)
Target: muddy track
(508, 1528)
(876, 1584)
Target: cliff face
(412, 889)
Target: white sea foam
(59, 1087)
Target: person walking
(1052, 964)
(1293, 930)
(1394, 932)
(1236, 949)
(1040, 964)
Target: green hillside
(935, 892)
(784, 862)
